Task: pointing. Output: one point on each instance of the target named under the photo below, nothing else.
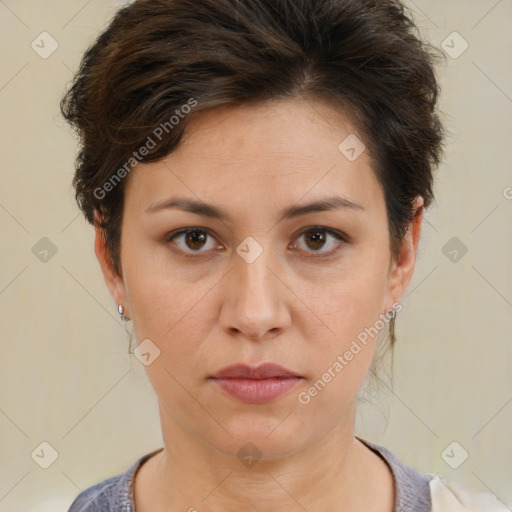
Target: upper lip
(263, 371)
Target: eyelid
(183, 231)
(341, 237)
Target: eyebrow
(209, 210)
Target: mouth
(256, 385)
(263, 371)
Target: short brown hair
(365, 56)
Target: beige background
(66, 376)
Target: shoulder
(429, 492)
(115, 494)
(101, 497)
(412, 493)
(457, 497)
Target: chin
(258, 439)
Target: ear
(402, 269)
(113, 280)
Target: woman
(256, 172)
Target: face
(256, 285)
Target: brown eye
(316, 238)
(192, 240)
(195, 239)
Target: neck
(333, 472)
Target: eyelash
(341, 238)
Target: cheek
(341, 361)
(161, 297)
(349, 301)
(343, 343)
(178, 373)
(176, 315)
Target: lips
(256, 385)
(263, 371)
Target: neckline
(404, 494)
(131, 474)
(406, 480)
(378, 450)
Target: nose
(255, 299)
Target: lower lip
(257, 391)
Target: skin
(290, 306)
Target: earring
(121, 313)
(392, 328)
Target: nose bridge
(254, 301)
(254, 277)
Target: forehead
(295, 128)
(275, 151)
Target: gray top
(115, 494)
